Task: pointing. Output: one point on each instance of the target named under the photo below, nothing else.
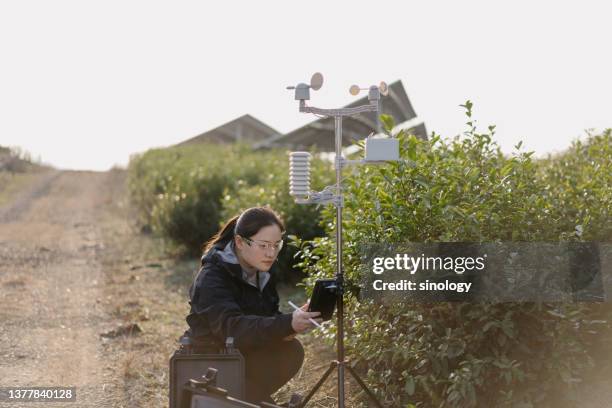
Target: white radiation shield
(299, 174)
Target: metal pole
(339, 272)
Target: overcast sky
(85, 84)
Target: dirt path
(65, 280)
(51, 281)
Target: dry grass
(12, 183)
(317, 360)
(129, 367)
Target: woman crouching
(234, 295)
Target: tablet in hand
(324, 298)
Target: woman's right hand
(300, 322)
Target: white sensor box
(378, 149)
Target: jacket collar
(226, 256)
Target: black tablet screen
(324, 298)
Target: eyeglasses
(264, 245)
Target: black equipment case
(205, 394)
(186, 366)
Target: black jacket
(224, 305)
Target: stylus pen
(310, 320)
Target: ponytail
(246, 225)
(223, 236)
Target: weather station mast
(377, 150)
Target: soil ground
(74, 268)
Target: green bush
(578, 185)
(179, 191)
(453, 354)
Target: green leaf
(388, 122)
(410, 385)
(422, 183)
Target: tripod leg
(364, 386)
(312, 392)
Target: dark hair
(246, 225)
